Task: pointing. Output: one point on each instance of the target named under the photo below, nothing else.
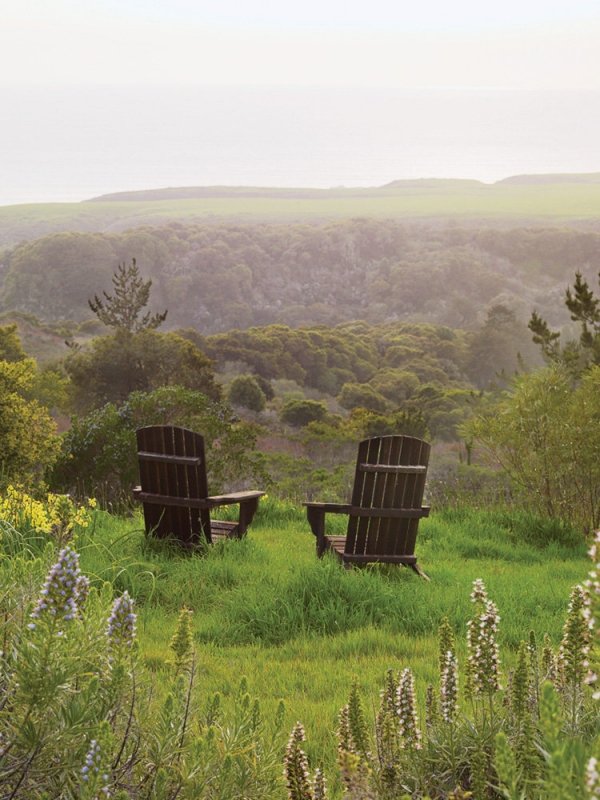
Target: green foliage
(82, 718)
(362, 395)
(245, 391)
(112, 367)
(11, 348)
(544, 434)
(28, 442)
(301, 412)
(122, 309)
(99, 455)
(584, 309)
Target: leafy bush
(245, 391)
(80, 718)
(300, 412)
(99, 455)
(534, 737)
(545, 435)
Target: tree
(362, 395)
(301, 412)
(28, 441)
(545, 435)
(122, 309)
(244, 391)
(112, 367)
(584, 309)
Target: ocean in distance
(72, 143)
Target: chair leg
(420, 572)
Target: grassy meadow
(462, 200)
(301, 629)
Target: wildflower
(355, 774)
(319, 785)
(295, 768)
(575, 644)
(120, 630)
(407, 711)
(92, 772)
(182, 641)
(592, 778)
(61, 590)
(479, 593)
(449, 687)
(446, 642)
(484, 659)
(357, 723)
(344, 736)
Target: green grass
(300, 629)
(446, 199)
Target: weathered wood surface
(386, 504)
(174, 489)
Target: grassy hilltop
(534, 198)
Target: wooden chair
(174, 489)
(386, 505)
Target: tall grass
(301, 628)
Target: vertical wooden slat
(366, 500)
(357, 495)
(377, 530)
(386, 529)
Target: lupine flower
(319, 785)
(355, 774)
(449, 687)
(61, 590)
(182, 641)
(120, 630)
(91, 772)
(479, 593)
(344, 736)
(484, 659)
(295, 768)
(407, 711)
(575, 644)
(592, 778)
(357, 723)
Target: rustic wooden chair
(385, 508)
(174, 489)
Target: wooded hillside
(217, 277)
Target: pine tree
(122, 309)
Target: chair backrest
(390, 474)
(173, 469)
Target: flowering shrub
(80, 718)
(533, 740)
(56, 515)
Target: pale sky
(527, 44)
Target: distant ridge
(558, 177)
(307, 193)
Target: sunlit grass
(300, 629)
(445, 199)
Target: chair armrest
(136, 491)
(233, 497)
(329, 508)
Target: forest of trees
(217, 277)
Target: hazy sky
(422, 43)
